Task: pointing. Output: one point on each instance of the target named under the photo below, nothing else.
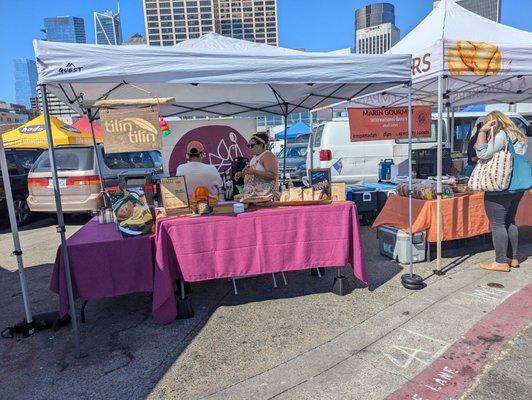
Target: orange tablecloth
(463, 216)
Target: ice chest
(393, 243)
(364, 197)
(383, 191)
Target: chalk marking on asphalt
(301, 382)
(489, 293)
(457, 372)
(412, 355)
(425, 336)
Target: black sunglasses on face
(251, 145)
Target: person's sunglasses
(251, 145)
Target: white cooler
(393, 243)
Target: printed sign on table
(385, 123)
(174, 193)
(320, 179)
(130, 130)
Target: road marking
(490, 293)
(456, 370)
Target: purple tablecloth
(254, 242)
(103, 264)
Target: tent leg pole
(410, 281)
(285, 117)
(94, 144)
(438, 270)
(16, 240)
(311, 138)
(61, 225)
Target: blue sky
(317, 25)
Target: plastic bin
(383, 191)
(393, 243)
(366, 200)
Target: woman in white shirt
(501, 207)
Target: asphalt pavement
(298, 341)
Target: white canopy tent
(214, 75)
(209, 76)
(460, 58)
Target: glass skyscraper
(490, 9)
(107, 28)
(375, 14)
(65, 29)
(25, 81)
(375, 30)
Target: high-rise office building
(172, 21)
(64, 29)
(107, 28)
(487, 8)
(56, 107)
(25, 81)
(375, 30)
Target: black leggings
(501, 210)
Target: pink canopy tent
(83, 125)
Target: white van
(358, 162)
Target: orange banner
(388, 123)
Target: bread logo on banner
(474, 58)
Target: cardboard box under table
(261, 241)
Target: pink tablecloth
(254, 242)
(103, 264)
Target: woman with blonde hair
(501, 207)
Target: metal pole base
(438, 272)
(317, 272)
(412, 282)
(340, 286)
(184, 308)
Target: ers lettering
(420, 65)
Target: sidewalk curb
(455, 371)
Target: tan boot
(494, 266)
(513, 262)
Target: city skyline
(313, 27)
(168, 23)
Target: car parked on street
(79, 182)
(19, 163)
(296, 160)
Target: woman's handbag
(493, 175)
(521, 173)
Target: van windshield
(67, 159)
